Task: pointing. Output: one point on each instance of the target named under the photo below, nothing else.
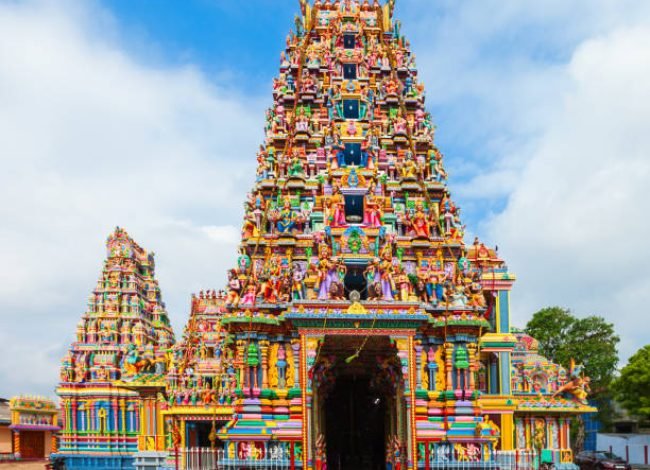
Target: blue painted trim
(504, 310)
(504, 369)
(87, 461)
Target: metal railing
(516, 459)
(198, 458)
(279, 458)
(448, 458)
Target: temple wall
(48, 442)
(5, 440)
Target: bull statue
(135, 363)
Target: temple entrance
(32, 444)
(359, 411)
(355, 416)
(198, 434)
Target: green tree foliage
(590, 341)
(632, 388)
(550, 326)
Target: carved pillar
(116, 421)
(412, 432)
(449, 363)
(528, 424)
(403, 355)
(567, 434)
(17, 444)
(123, 413)
(264, 350)
(561, 434)
(295, 347)
(303, 386)
(183, 435)
(473, 365)
(240, 363)
(310, 348)
(54, 443)
(88, 417)
(138, 424)
(73, 415)
(419, 365)
(507, 431)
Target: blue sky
(240, 40)
(147, 115)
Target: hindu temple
(358, 328)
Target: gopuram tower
(358, 329)
(114, 371)
(355, 298)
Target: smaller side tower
(201, 381)
(114, 371)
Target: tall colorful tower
(111, 377)
(358, 327)
(358, 330)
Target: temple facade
(31, 433)
(358, 329)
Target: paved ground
(23, 466)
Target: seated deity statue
(302, 122)
(458, 297)
(296, 167)
(409, 168)
(391, 87)
(400, 125)
(419, 222)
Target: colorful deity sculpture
(336, 208)
(285, 220)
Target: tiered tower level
(352, 264)
(124, 337)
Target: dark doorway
(350, 71)
(355, 417)
(355, 280)
(353, 208)
(351, 109)
(198, 433)
(352, 154)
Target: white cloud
(576, 225)
(228, 234)
(90, 138)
